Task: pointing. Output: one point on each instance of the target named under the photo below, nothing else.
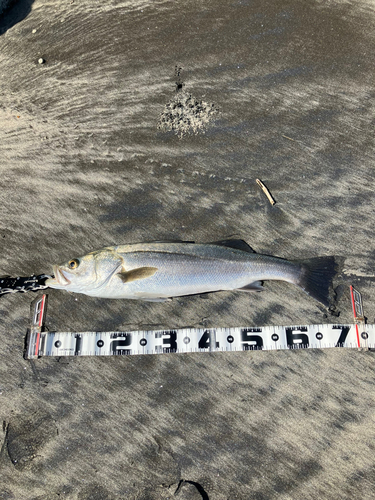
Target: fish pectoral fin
(137, 274)
(256, 286)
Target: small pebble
(41, 60)
(34, 31)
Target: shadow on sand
(16, 12)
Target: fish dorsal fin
(237, 244)
(137, 274)
(171, 241)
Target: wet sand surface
(98, 148)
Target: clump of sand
(185, 114)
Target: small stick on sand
(266, 191)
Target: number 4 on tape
(44, 343)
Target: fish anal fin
(256, 286)
(232, 243)
(151, 297)
(137, 274)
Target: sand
(276, 90)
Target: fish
(160, 270)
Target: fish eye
(73, 264)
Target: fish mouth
(60, 277)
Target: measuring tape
(186, 340)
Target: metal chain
(23, 284)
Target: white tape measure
(187, 340)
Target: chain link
(23, 284)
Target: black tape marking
(251, 342)
(77, 348)
(343, 334)
(125, 340)
(299, 340)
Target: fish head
(86, 274)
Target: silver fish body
(160, 270)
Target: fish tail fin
(316, 277)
